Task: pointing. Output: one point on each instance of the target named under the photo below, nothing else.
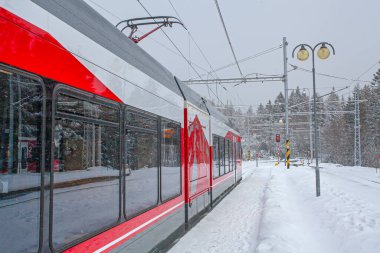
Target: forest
(335, 124)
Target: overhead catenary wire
(156, 41)
(202, 53)
(196, 44)
(256, 55)
(171, 41)
(104, 9)
(228, 37)
(192, 38)
(180, 52)
(295, 67)
(324, 95)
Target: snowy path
(233, 225)
(275, 210)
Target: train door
(198, 164)
(234, 160)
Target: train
(102, 148)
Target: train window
(230, 151)
(215, 148)
(235, 154)
(226, 157)
(21, 105)
(86, 174)
(240, 151)
(140, 120)
(170, 160)
(141, 164)
(222, 155)
(72, 105)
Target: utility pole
(357, 147)
(284, 46)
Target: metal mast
(357, 147)
(287, 141)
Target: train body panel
(113, 74)
(122, 152)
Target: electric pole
(284, 46)
(357, 148)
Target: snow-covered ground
(275, 210)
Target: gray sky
(254, 26)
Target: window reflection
(216, 156)
(20, 161)
(170, 160)
(86, 176)
(222, 155)
(141, 182)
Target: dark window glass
(222, 160)
(226, 157)
(139, 120)
(86, 178)
(240, 151)
(235, 155)
(215, 148)
(170, 160)
(141, 168)
(230, 152)
(72, 105)
(20, 162)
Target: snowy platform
(275, 210)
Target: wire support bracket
(134, 24)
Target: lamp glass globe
(302, 54)
(323, 52)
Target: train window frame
(60, 88)
(128, 108)
(235, 155)
(6, 68)
(217, 151)
(227, 156)
(221, 158)
(160, 160)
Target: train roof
(82, 17)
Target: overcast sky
(352, 26)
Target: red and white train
(102, 149)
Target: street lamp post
(302, 55)
(310, 126)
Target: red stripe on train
(109, 236)
(30, 48)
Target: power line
(180, 53)
(295, 67)
(267, 51)
(238, 80)
(228, 37)
(183, 56)
(192, 38)
(324, 95)
(104, 9)
(202, 53)
(365, 72)
(171, 41)
(199, 48)
(256, 55)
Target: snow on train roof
(89, 22)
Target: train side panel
(198, 163)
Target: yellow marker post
(288, 154)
